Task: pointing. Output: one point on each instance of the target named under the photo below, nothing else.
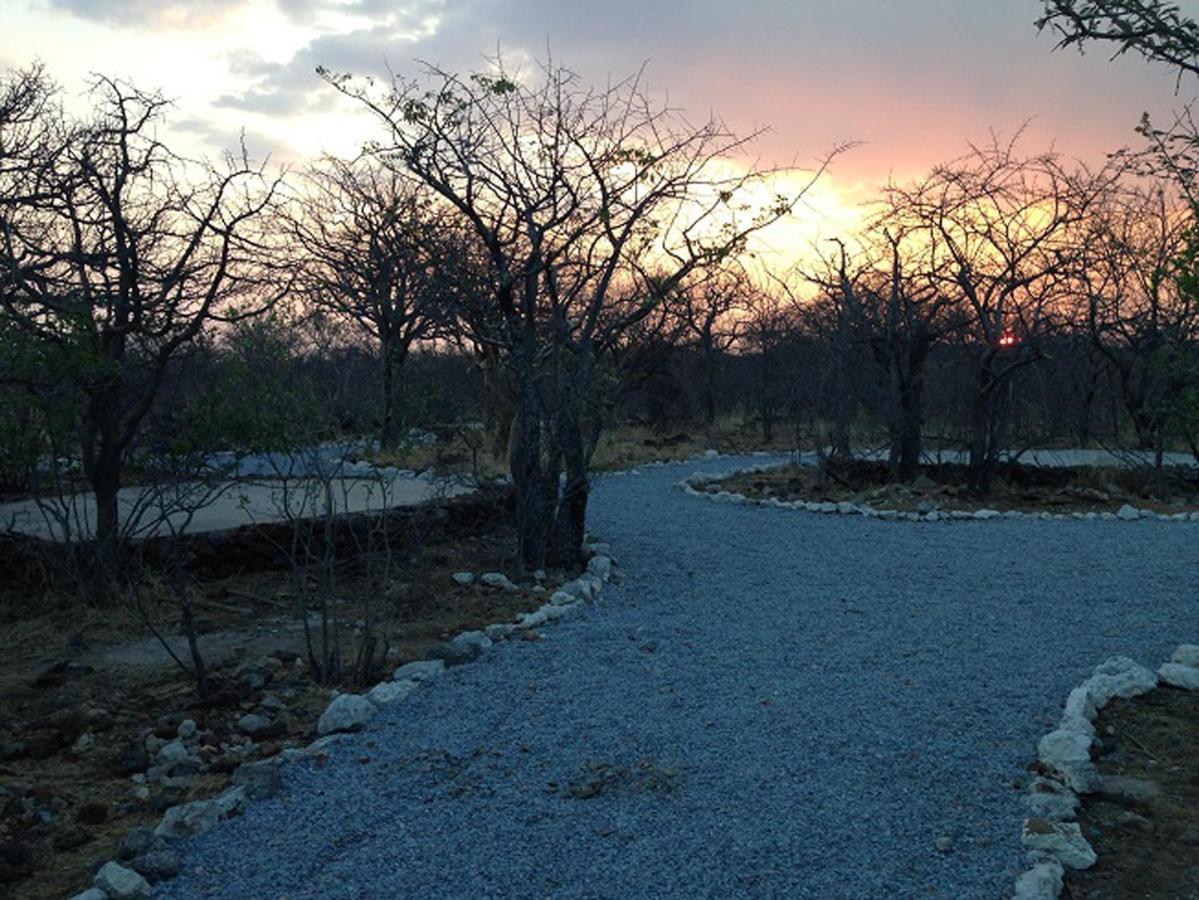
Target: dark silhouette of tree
(119, 253)
(590, 207)
(1156, 29)
(370, 243)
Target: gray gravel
(787, 704)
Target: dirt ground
(1146, 838)
(82, 686)
(943, 487)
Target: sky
(913, 81)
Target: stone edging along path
(346, 712)
(1051, 835)
(693, 483)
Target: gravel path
(787, 704)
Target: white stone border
(349, 712)
(691, 484)
(1051, 834)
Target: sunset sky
(913, 80)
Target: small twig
(1144, 749)
(216, 604)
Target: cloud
(216, 140)
(389, 30)
(153, 14)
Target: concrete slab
(147, 512)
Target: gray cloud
(272, 88)
(147, 13)
(217, 140)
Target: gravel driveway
(772, 703)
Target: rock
(386, 693)
(943, 844)
(987, 514)
(260, 780)
(553, 613)
(1127, 790)
(1042, 882)
(561, 598)
(117, 881)
(1079, 713)
(600, 567)
(1060, 842)
(137, 842)
(1186, 654)
(422, 670)
(260, 727)
(252, 679)
(464, 578)
(562, 611)
(1129, 819)
(1118, 677)
(346, 712)
(585, 587)
(171, 753)
(1052, 801)
(1128, 513)
(536, 618)
(91, 893)
(190, 819)
(465, 648)
(1179, 676)
(1080, 704)
(591, 582)
(499, 580)
(1069, 753)
(84, 743)
(186, 729)
(499, 631)
(157, 865)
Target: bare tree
(1005, 230)
(590, 207)
(889, 300)
(368, 240)
(768, 323)
(1135, 312)
(123, 253)
(710, 310)
(1156, 29)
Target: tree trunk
(389, 434)
(535, 495)
(987, 420)
(571, 516)
(498, 407)
(708, 387)
(906, 442)
(104, 475)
